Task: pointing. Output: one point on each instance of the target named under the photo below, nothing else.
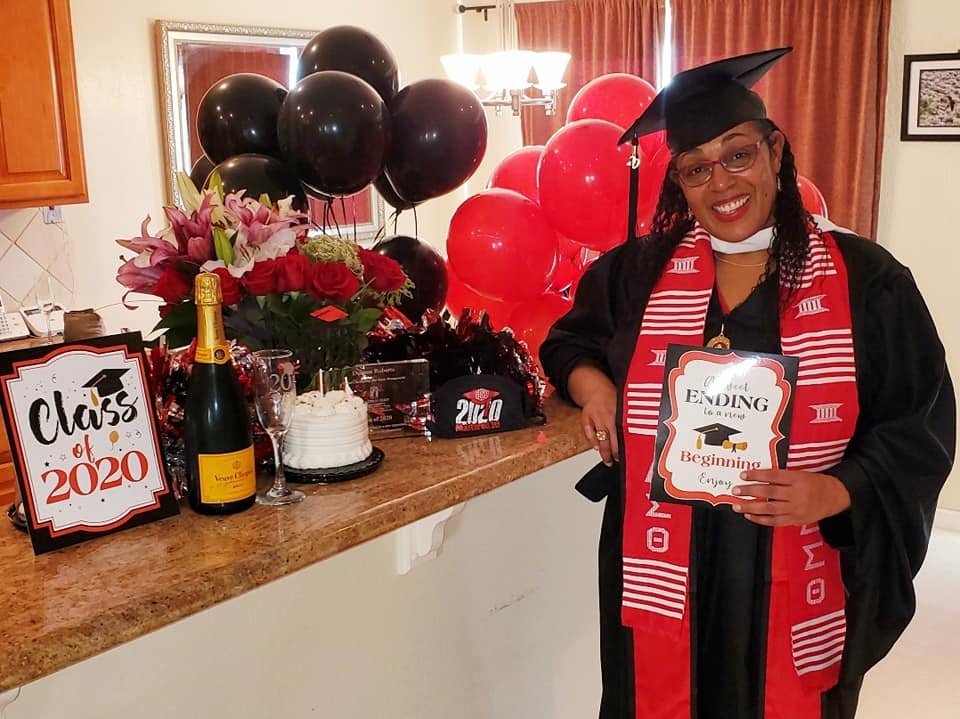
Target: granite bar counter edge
(65, 606)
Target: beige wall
(919, 193)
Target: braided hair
(673, 220)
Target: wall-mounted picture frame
(193, 56)
(931, 97)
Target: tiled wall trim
(31, 251)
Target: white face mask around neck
(759, 240)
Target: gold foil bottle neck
(206, 289)
(212, 344)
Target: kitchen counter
(68, 605)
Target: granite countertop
(65, 606)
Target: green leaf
(300, 307)
(189, 194)
(275, 304)
(215, 182)
(365, 319)
(222, 246)
(180, 324)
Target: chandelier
(506, 73)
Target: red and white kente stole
(807, 627)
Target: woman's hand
(595, 393)
(790, 497)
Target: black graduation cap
(716, 434)
(701, 103)
(107, 381)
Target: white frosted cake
(328, 430)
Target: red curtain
(602, 36)
(828, 95)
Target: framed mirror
(191, 57)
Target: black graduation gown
(897, 461)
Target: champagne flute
(45, 302)
(275, 393)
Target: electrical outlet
(52, 215)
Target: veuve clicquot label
(229, 477)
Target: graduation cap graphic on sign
(718, 435)
(106, 382)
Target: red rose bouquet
(284, 286)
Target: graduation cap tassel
(634, 165)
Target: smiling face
(732, 206)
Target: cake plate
(329, 475)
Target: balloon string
(343, 211)
(329, 214)
(381, 231)
(336, 222)
(416, 227)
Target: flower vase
(338, 350)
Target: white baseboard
(948, 519)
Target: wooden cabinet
(41, 149)
(7, 476)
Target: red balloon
(568, 270)
(652, 174)
(500, 244)
(518, 172)
(584, 181)
(651, 144)
(811, 197)
(531, 320)
(619, 98)
(567, 247)
(461, 297)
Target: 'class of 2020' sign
(84, 439)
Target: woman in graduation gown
(774, 607)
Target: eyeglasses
(737, 159)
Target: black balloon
(438, 137)
(259, 175)
(201, 168)
(353, 50)
(424, 266)
(390, 196)
(333, 130)
(238, 115)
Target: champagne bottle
(217, 433)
